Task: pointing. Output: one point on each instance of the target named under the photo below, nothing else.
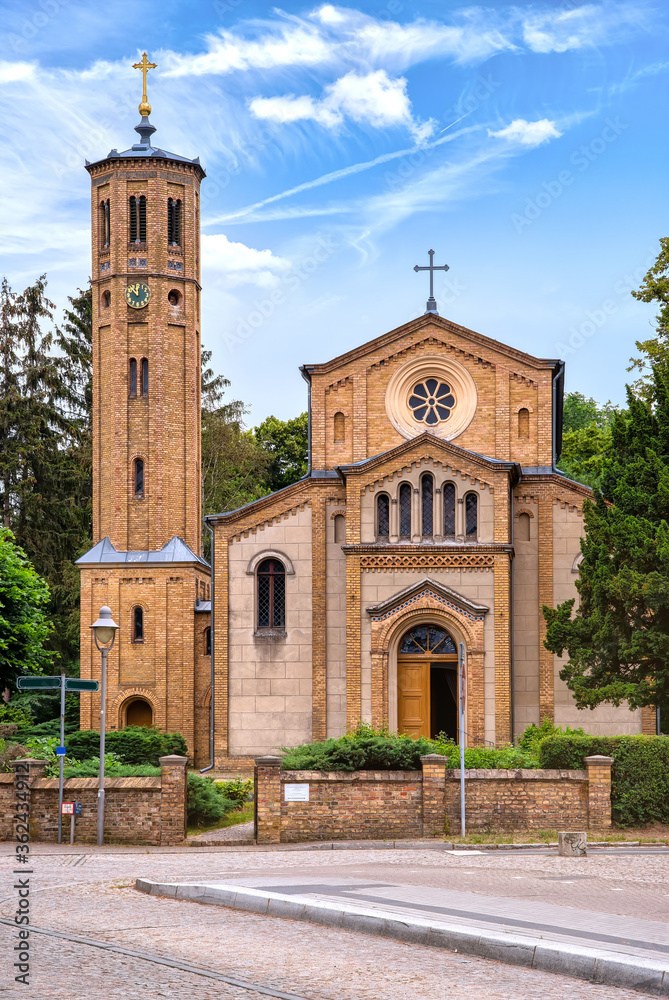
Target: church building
(433, 514)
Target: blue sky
(526, 144)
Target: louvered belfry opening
(174, 222)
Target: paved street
(91, 896)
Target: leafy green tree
(618, 638)
(234, 467)
(45, 454)
(24, 625)
(286, 442)
(654, 288)
(586, 438)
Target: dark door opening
(444, 700)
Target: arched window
(104, 223)
(471, 516)
(139, 477)
(137, 207)
(174, 222)
(145, 377)
(339, 427)
(138, 624)
(207, 641)
(339, 528)
(449, 510)
(271, 594)
(426, 504)
(523, 528)
(405, 510)
(132, 377)
(523, 423)
(383, 516)
(106, 300)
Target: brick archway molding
(427, 608)
(123, 698)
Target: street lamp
(104, 633)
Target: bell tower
(146, 561)
(146, 343)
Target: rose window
(431, 401)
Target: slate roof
(174, 551)
(144, 148)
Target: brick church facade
(432, 515)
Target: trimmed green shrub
(133, 745)
(91, 769)
(207, 803)
(639, 776)
(530, 740)
(508, 757)
(365, 749)
(49, 728)
(237, 790)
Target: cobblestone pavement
(92, 895)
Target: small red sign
(67, 808)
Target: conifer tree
(618, 638)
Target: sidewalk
(607, 948)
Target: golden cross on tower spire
(145, 66)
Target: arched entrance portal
(427, 683)
(139, 713)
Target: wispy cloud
(241, 264)
(527, 133)
(591, 24)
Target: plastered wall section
(605, 720)
(270, 686)
(526, 612)
(476, 585)
(335, 597)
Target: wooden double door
(427, 684)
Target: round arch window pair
(431, 401)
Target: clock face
(137, 295)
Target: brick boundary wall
(149, 810)
(373, 805)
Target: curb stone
(577, 962)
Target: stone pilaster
(599, 791)
(173, 800)
(267, 786)
(434, 784)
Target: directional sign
(28, 683)
(77, 808)
(74, 684)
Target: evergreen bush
(639, 776)
(133, 745)
(365, 749)
(207, 802)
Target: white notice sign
(296, 793)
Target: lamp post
(104, 633)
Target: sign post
(461, 731)
(35, 681)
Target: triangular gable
(386, 340)
(427, 588)
(429, 445)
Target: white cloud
(527, 133)
(240, 264)
(12, 71)
(300, 45)
(591, 24)
(374, 99)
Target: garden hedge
(134, 744)
(639, 776)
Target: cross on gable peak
(431, 306)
